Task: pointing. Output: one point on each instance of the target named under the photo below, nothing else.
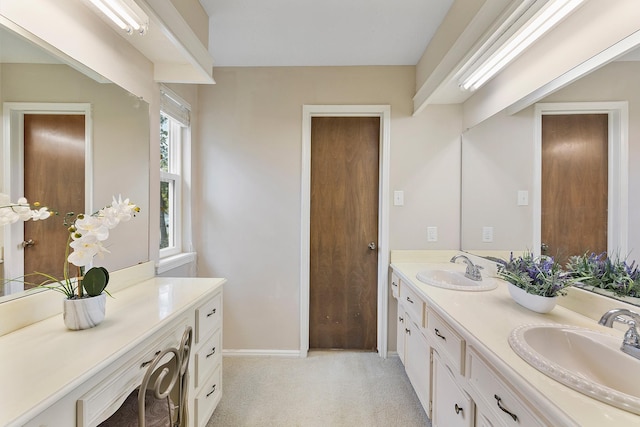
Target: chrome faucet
(631, 341)
(473, 271)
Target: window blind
(174, 106)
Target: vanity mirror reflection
(37, 81)
(502, 167)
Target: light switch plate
(432, 234)
(398, 198)
(487, 234)
(523, 198)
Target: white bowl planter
(536, 303)
(84, 313)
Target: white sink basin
(450, 279)
(587, 361)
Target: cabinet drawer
(395, 285)
(207, 398)
(413, 304)
(207, 358)
(497, 397)
(208, 318)
(447, 341)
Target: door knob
(27, 243)
(372, 246)
(544, 248)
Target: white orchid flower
(84, 249)
(91, 225)
(12, 212)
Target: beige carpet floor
(328, 389)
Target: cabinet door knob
(372, 246)
(458, 409)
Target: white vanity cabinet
(412, 345)
(417, 363)
(207, 390)
(62, 378)
(452, 407)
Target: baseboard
(262, 353)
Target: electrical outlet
(432, 234)
(487, 234)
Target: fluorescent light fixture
(126, 14)
(545, 19)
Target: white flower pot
(536, 303)
(84, 313)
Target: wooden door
(574, 184)
(344, 222)
(54, 158)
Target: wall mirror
(37, 85)
(502, 176)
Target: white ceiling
(321, 33)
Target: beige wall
(248, 178)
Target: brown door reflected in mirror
(54, 159)
(574, 184)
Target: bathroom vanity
(454, 345)
(51, 376)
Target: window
(174, 126)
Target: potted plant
(85, 293)
(535, 282)
(611, 274)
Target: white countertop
(42, 362)
(490, 316)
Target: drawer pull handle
(212, 313)
(458, 409)
(439, 335)
(401, 319)
(213, 389)
(409, 299)
(394, 284)
(148, 362)
(213, 351)
(505, 410)
(407, 331)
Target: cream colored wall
(498, 161)
(454, 23)
(248, 177)
(193, 12)
(120, 145)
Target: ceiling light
(126, 14)
(493, 61)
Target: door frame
(384, 112)
(618, 168)
(13, 177)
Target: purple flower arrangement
(536, 275)
(600, 271)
